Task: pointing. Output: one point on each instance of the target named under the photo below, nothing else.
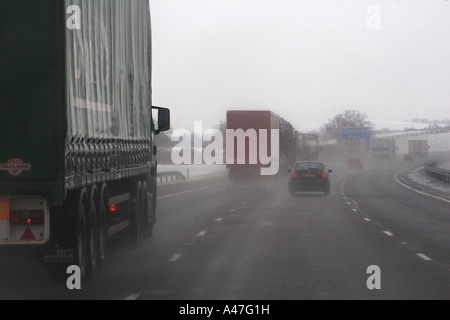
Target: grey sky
(306, 60)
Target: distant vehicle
(355, 163)
(309, 176)
(418, 148)
(408, 158)
(383, 150)
(258, 121)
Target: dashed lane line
(201, 234)
(424, 257)
(132, 297)
(175, 257)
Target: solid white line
(424, 257)
(175, 257)
(415, 190)
(388, 233)
(132, 297)
(186, 192)
(201, 234)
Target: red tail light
(293, 174)
(324, 174)
(31, 218)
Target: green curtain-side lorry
(77, 152)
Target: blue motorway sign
(363, 133)
(356, 133)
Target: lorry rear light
(27, 217)
(4, 209)
(324, 174)
(293, 174)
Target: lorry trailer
(78, 154)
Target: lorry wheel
(136, 214)
(152, 208)
(102, 234)
(145, 208)
(81, 240)
(92, 239)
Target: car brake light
(324, 174)
(293, 174)
(27, 217)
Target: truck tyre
(92, 238)
(152, 208)
(81, 238)
(102, 234)
(102, 226)
(145, 208)
(136, 213)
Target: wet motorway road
(219, 240)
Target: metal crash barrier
(432, 170)
(170, 176)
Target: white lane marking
(424, 257)
(354, 210)
(201, 234)
(132, 297)
(218, 219)
(388, 233)
(175, 257)
(415, 190)
(245, 203)
(349, 203)
(186, 192)
(232, 210)
(367, 219)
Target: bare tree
(349, 119)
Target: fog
(305, 60)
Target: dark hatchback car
(309, 176)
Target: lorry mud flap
(62, 252)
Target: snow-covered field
(437, 142)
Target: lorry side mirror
(163, 119)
